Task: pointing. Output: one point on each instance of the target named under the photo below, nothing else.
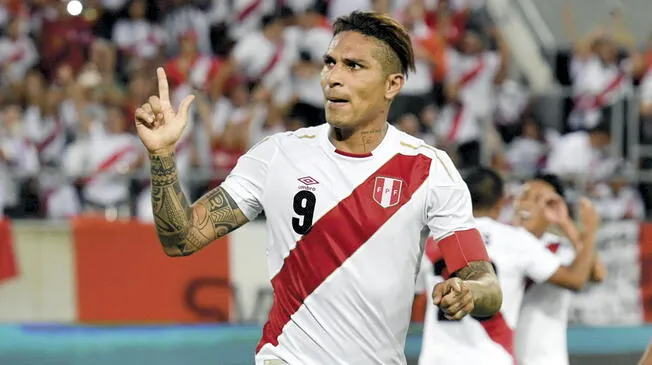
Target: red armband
(462, 247)
(433, 253)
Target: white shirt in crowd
(260, 59)
(19, 56)
(516, 255)
(476, 94)
(591, 79)
(20, 161)
(524, 155)
(138, 37)
(319, 252)
(314, 42)
(420, 81)
(245, 16)
(542, 325)
(587, 163)
(47, 133)
(338, 8)
(626, 203)
(102, 161)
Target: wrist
(162, 152)
(569, 228)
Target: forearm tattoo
(488, 296)
(182, 228)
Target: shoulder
(302, 137)
(443, 171)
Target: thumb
(185, 106)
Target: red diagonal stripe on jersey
(335, 237)
(499, 332)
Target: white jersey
(345, 240)
(541, 330)
(516, 255)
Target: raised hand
(588, 215)
(158, 125)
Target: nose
(332, 76)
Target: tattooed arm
(473, 290)
(484, 287)
(184, 228)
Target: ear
(393, 85)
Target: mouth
(336, 101)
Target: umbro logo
(307, 182)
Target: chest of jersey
(332, 192)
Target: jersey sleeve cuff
(462, 247)
(237, 194)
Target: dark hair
(383, 28)
(554, 181)
(486, 187)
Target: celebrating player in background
(345, 204)
(541, 329)
(517, 255)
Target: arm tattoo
(475, 270)
(184, 229)
(487, 295)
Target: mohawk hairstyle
(383, 28)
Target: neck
(478, 213)
(538, 233)
(358, 140)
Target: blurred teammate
(541, 329)
(345, 204)
(517, 256)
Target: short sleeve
(449, 204)
(539, 262)
(246, 182)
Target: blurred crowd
(69, 85)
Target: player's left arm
(473, 287)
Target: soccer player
(517, 256)
(541, 329)
(345, 204)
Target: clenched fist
(454, 298)
(158, 125)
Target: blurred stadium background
(82, 277)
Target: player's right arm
(182, 228)
(473, 287)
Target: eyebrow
(347, 60)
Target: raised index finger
(163, 89)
